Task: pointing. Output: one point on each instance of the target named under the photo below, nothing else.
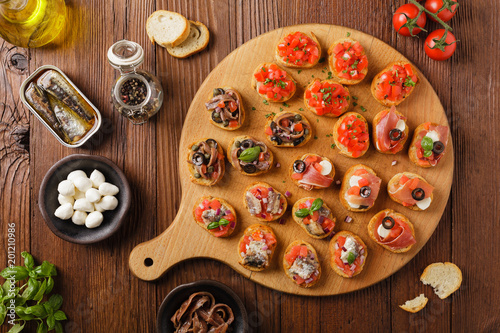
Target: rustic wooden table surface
(100, 293)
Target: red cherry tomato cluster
(410, 19)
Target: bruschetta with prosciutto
(288, 129)
(351, 135)
(411, 191)
(314, 216)
(394, 83)
(215, 215)
(348, 61)
(327, 98)
(392, 231)
(312, 171)
(205, 162)
(360, 188)
(428, 145)
(389, 131)
(298, 50)
(273, 83)
(249, 156)
(226, 108)
(256, 247)
(348, 254)
(264, 202)
(301, 264)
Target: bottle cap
(125, 54)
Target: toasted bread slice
(273, 217)
(300, 220)
(313, 256)
(332, 250)
(375, 133)
(346, 186)
(416, 304)
(248, 232)
(376, 81)
(225, 204)
(333, 68)
(255, 83)
(282, 60)
(346, 102)
(412, 152)
(445, 278)
(287, 114)
(331, 174)
(192, 169)
(167, 28)
(343, 149)
(234, 160)
(389, 212)
(197, 41)
(240, 106)
(394, 180)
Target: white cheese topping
(326, 167)
(401, 125)
(383, 232)
(424, 204)
(351, 246)
(353, 181)
(433, 135)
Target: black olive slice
(418, 194)
(277, 139)
(218, 91)
(216, 117)
(395, 134)
(198, 158)
(438, 147)
(365, 191)
(388, 222)
(212, 143)
(235, 113)
(298, 141)
(273, 126)
(299, 166)
(249, 168)
(245, 144)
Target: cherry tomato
(449, 45)
(399, 19)
(435, 5)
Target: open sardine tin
(57, 102)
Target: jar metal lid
(125, 54)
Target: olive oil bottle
(31, 23)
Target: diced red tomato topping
(298, 49)
(326, 97)
(233, 123)
(345, 268)
(273, 82)
(350, 60)
(353, 134)
(260, 193)
(393, 85)
(403, 179)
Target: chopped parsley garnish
(409, 82)
(354, 97)
(315, 137)
(265, 102)
(348, 34)
(301, 109)
(329, 75)
(286, 105)
(296, 48)
(362, 108)
(270, 114)
(281, 109)
(263, 69)
(354, 103)
(300, 70)
(253, 108)
(332, 145)
(321, 60)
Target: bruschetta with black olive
(249, 156)
(256, 247)
(264, 202)
(288, 129)
(312, 171)
(327, 98)
(205, 162)
(394, 83)
(360, 188)
(298, 50)
(273, 83)
(411, 191)
(392, 231)
(215, 215)
(389, 131)
(314, 216)
(348, 61)
(301, 264)
(428, 145)
(226, 108)
(348, 254)
(351, 135)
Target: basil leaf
(41, 291)
(427, 153)
(48, 307)
(28, 260)
(302, 212)
(3, 313)
(223, 222)
(60, 315)
(427, 143)
(316, 205)
(46, 269)
(250, 154)
(21, 313)
(213, 225)
(31, 290)
(37, 310)
(18, 272)
(51, 322)
(58, 327)
(16, 328)
(50, 285)
(42, 328)
(351, 257)
(55, 301)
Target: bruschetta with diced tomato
(348, 254)
(392, 231)
(264, 202)
(205, 162)
(256, 247)
(314, 216)
(301, 264)
(394, 83)
(249, 156)
(327, 98)
(298, 50)
(429, 144)
(273, 83)
(288, 129)
(348, 61)
(411, 191)
(360, 188)
(389, 131)
(226, 108)
(351, 135)
(312, 171)
(215, 215)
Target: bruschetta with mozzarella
(264, 202)
(411, 191)
(347, 60)
(351, 135)
(249, 156)
(389, 131)
(392, 231)
(256, 247)
(428, 145)
(273, 83)
(312, 171)
(327, 98)
(226, 108)
(360, 188)
(301, 264)
(394, 83)
(314, 216)
(298, 50)
(348, 254)
(215, 215)
(288, 129)
(205, 162)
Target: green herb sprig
(304, 212)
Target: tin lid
(125, 55)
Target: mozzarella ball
(66, 188)
(108, 202)
(93, 195)
(83, 184)
(64, 212)
(79, 195)
(76, 174)
(83, 205)
(79, 217)
(97, 178)
(94, 220)
(63, 199)
(108, 189)
(98, 207)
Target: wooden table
(100, 293)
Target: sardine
(72, 124)
(40, 102)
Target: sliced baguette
(248, 232)
(346, 186)
(445, 278)
(376, 81)
(241, 109)
(412, 152)
(343, 150)
(391, 213)
(416, 304)
(197, 40)
(224, 203)
(232, 147)
(255, 83)
(167, 28)
(332, 250)
(286, 265)
(333, 68)
(345, 105)
(300, 220)
(192, 168)
(304, 121)
(281, 60)
(283, 201)
(375, 133)
(394, 180)
(296, 181)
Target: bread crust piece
(395, 179)
(249, 231)
(182, 37)
(286, 266)
(242, 111)
(281, 62)
(300, 221)
(232, 146)
(192, 169)
(331, 248)
(323, 158)
(203, 30)
(412, 152)
(345, 187)
(376, 79)
(415, 309)
(330, 115)
(224, 203)
(289, 144)
(288, 76)
(389, 212)
(333, 69)
(343, 149)
(436, 265)
(266, 185)
(402, 143)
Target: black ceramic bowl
(221, 293)
(66, 229)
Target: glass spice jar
(136, 94)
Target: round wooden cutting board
(184, 239)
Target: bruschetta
(394, 83)
(256, 247)
(298, 50)
(249, 156)
(215, 215)
(288, 129)
(205, 162)
(351, 136)
(411, 191)
(314, 216)
(273, 83)
(226, 108)
(392, 231)
(348, 254)
(301, 264)
(327, 98)
(428, 145)
(312, 171)
(347, 60)
(360, 188)
(389, 131)
(264, 202)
